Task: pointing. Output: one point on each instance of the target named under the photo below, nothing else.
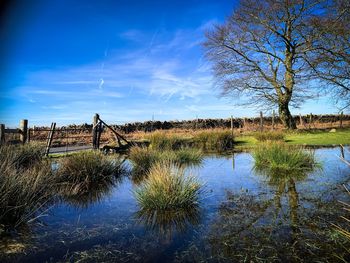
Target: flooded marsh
(244, 215)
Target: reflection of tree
(168, 222)
(252, 226)
(261, 228)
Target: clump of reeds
(165, 141)
(218, 140)
(167, 187)
(269, 136)
(84, 169)
(143, 158)
(277, 156)
(21, 156)
(26, 184)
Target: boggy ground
(243, 215)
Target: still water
(244, 216)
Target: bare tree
(330, 57)
(258, 53)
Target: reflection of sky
(127, 60)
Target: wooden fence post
(273, 119)
(99, 132)
(231, 126)
(300, 120)
(2, 134)
(341, 120)
(261, 121)
(244, 122)
(28, 135)
(49, 138)
(310, 120)
(23, 126)
(94, 130)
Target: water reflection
(93, 193)
(167, 223)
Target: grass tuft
(167, 187)
(280, 157)
(218, 140)
(26, 184)
(269, 136)
(165, 141)
(143, 158)
(21, 156)
(82, 170)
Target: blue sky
(128, 60)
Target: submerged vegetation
(167, 187)
(279, 157)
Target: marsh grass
(21, 156)
(142, 159)
(82, 170)
(167, 187)
(218, 140)
(279, 157)
(26, 184)
(269, 136)
(166, 141)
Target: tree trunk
(285, 116)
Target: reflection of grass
(281, 157)
(84, 169)
(93, 193)
(166, 222)
(167, 187)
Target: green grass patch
(167, 187)
(305, 137)
(269, 136)
(279, 157)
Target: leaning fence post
(23, 126)
(49, 138)
(261, 121)
(2, 134)
(273, 119)
(341, 120)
